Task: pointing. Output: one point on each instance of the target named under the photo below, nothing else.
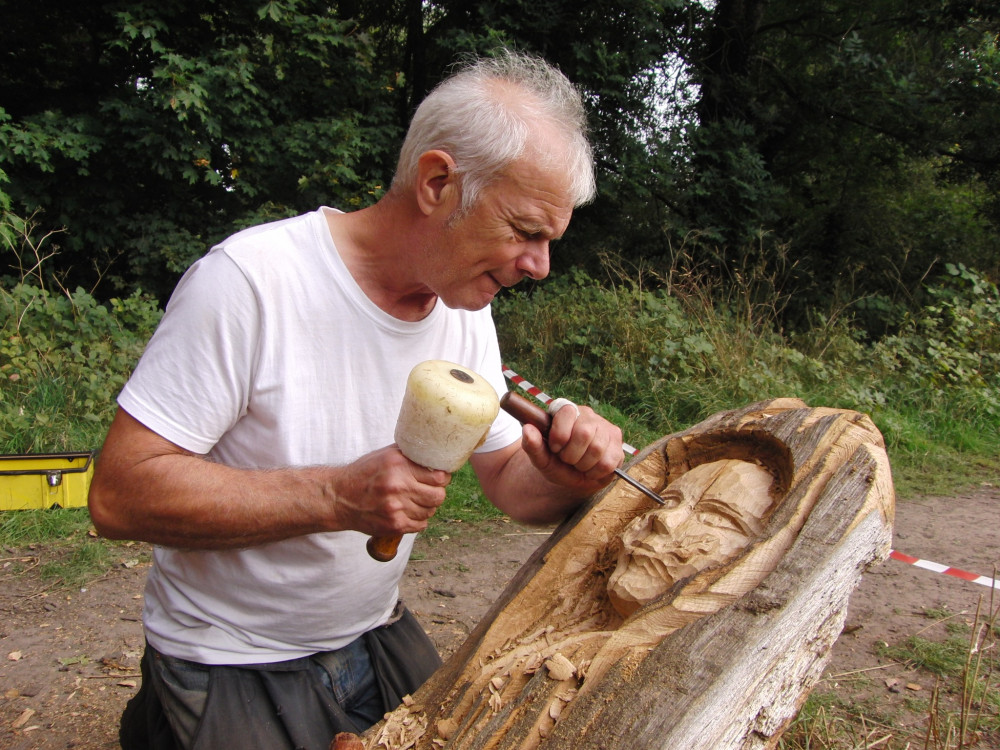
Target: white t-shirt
(270, 355)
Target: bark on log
(723, 658)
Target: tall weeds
(659, 354)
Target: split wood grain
(725, 657)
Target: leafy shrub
(955, 339)
(663, 357)
(618, 345)
(63, 359)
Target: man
(254, 443)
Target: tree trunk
(724, 65)
(714, 644)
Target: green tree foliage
(855, 131)
(858, 134)
(150, 130)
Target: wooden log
(721, 615)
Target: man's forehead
(536, 198)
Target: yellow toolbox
(45, 480)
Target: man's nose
(534, 261)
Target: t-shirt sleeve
(505, 429)
(192, 382)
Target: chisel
(526, 412)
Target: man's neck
(373, 243)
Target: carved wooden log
(715, 646)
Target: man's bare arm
(537, 481)
(147, 488)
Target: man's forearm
(521, 491)
(187, 501)
(149, 489)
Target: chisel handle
(526, 412)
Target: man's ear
(437, 183)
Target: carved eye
(671, 498)
(716, 521)
(720, 515)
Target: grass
(61, 543)
(23, 528)
(465, 500)
(963, 706)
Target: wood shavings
(567, 694)
(446, 728)
(402, 729)
(555, 708)
(408, 701)
(530, 638)
(560, 668)
(534, 662)
(496, 702)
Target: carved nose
(703, 545)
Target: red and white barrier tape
(945, 570)
(934, 567)
(545, 398)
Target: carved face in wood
(710, 515)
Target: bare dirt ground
(69, 658)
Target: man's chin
(466, 304)
(472, 300)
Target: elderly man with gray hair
(253, 445)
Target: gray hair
(486, 125)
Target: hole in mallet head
(461, 375)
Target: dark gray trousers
(292, 705)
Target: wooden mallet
(446, 414)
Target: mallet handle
(383, 548)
